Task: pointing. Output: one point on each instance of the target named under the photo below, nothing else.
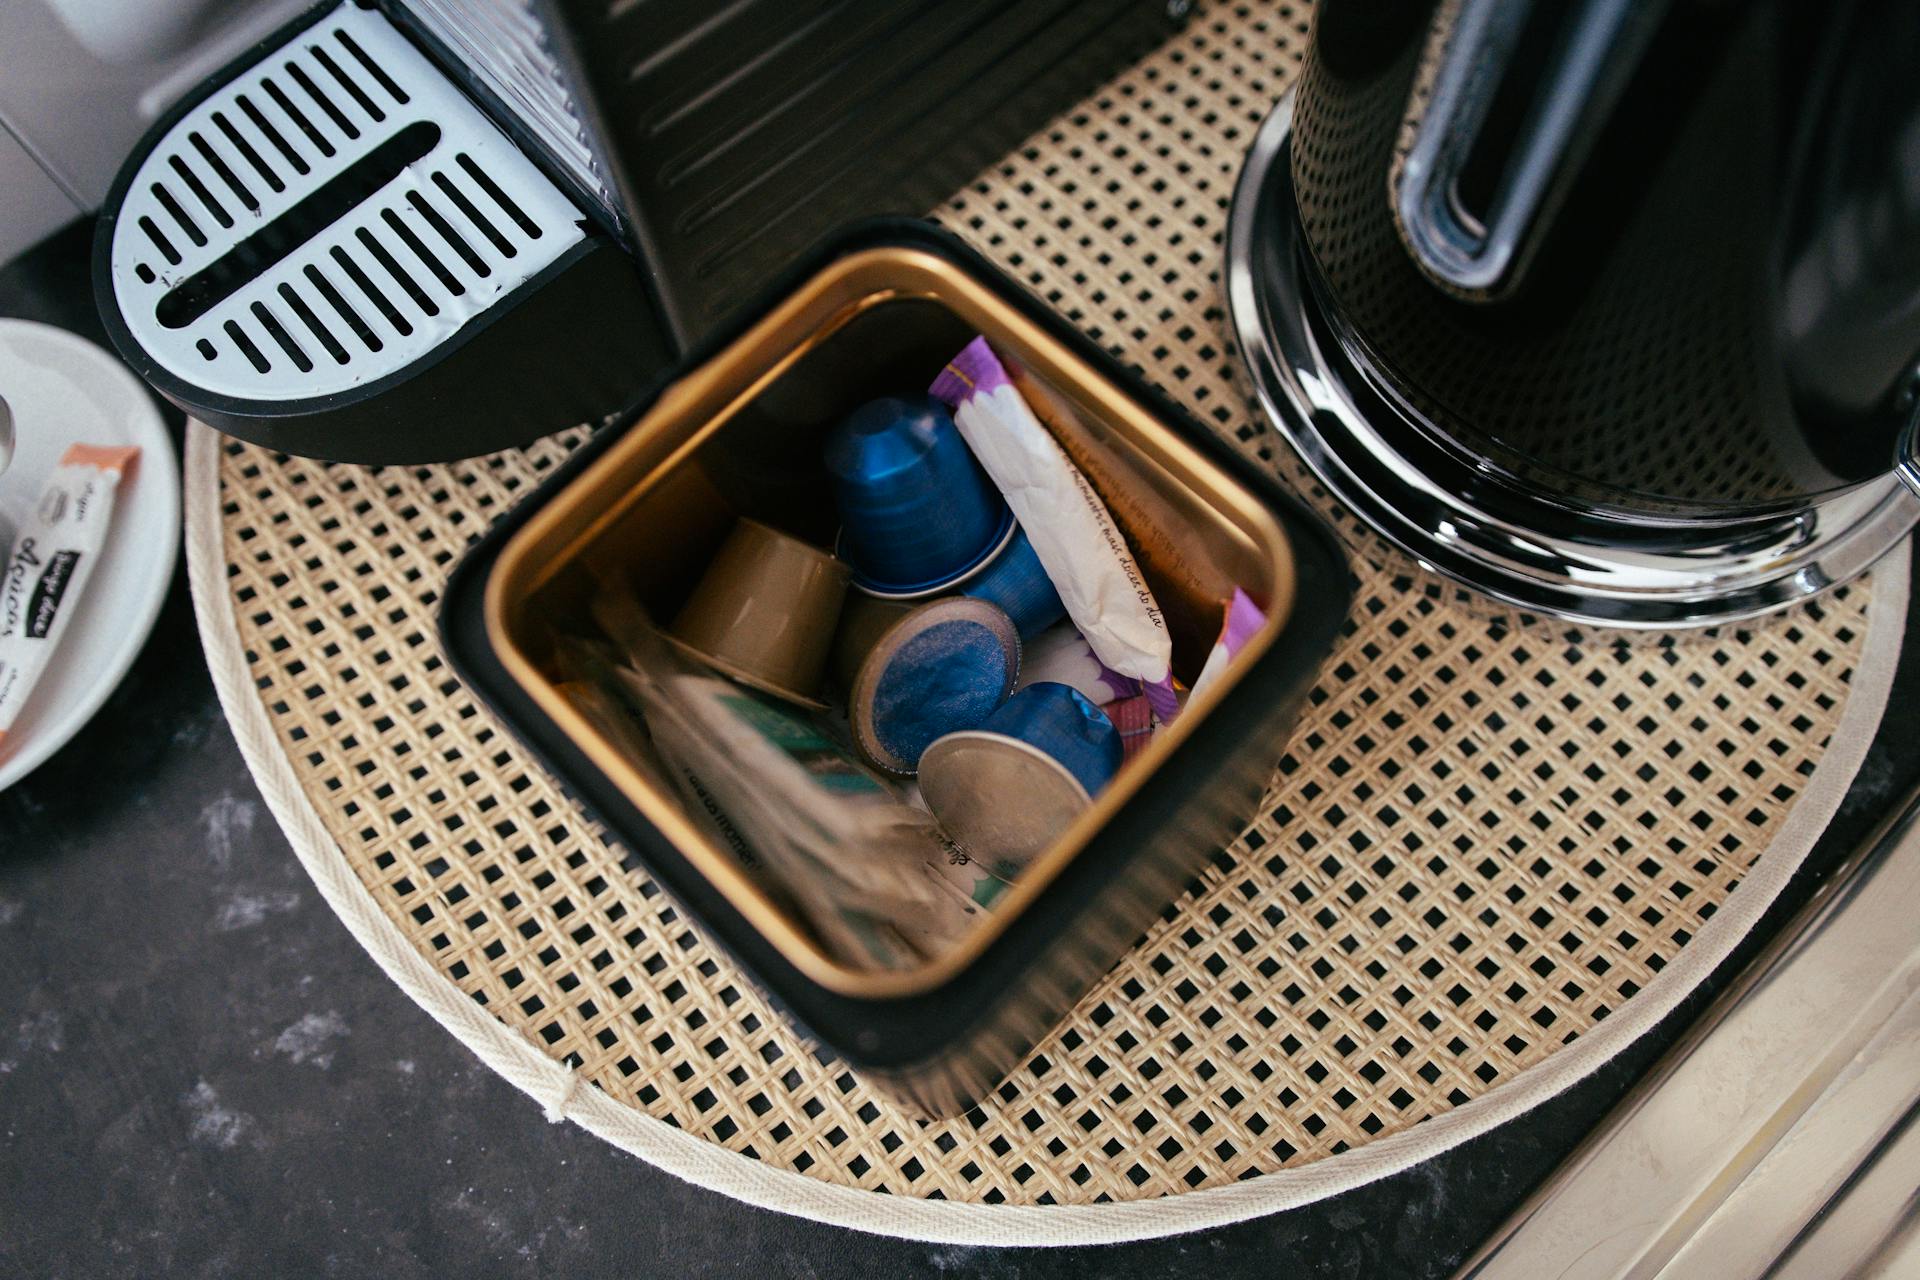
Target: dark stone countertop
(202, 1074)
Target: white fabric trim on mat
(555, 1086)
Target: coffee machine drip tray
(1466, 519)
(332, 249)
(262, 254)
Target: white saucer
(64, 390)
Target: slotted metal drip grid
(327, 218)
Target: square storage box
(736, 431)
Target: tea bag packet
(959, 872)
(602, 690)
(1072, 533)
(1133, 717)
(789, 827)
(851, 850)
(6, 459)
(46, 570)
(1188, 576)
(854, 928)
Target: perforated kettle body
(1637, 279)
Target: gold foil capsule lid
(1001, 800)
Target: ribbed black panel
(739, 133)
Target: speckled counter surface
(201, 1074)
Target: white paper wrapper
(1060, 654)
(1075, 537)
(48, 566)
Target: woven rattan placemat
(1488, 835)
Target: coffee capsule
(765, 612)
(945, 666)
(863, 620)
(1014, 580)
(1007, 790)
(1010, 577)
(916, 510)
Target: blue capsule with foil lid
(1015, 580)
(916, 509)
(1058, 720)
(1011, 577)
(1006, 791)
(944, 667)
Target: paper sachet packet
(1071, 530)
(857, 858)
(1243, 618)
(46, 571)
(603, 690)
(872, 874)
(1060, 654)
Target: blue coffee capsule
(1060, 721)
(944, 667)
(1006, 791)
(916, 510)
(1014, 580)
(1011, 577)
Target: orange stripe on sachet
(105, 457)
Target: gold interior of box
(741, 435)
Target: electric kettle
(1610, 309)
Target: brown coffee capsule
(765, 613)
(863, 620)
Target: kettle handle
(1906, 454)
(1593, 56)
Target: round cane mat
(1488, 836)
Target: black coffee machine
(409, 230)
(1610, 309)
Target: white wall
(31, 205)
(82, 80)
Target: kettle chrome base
(1466, 520)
